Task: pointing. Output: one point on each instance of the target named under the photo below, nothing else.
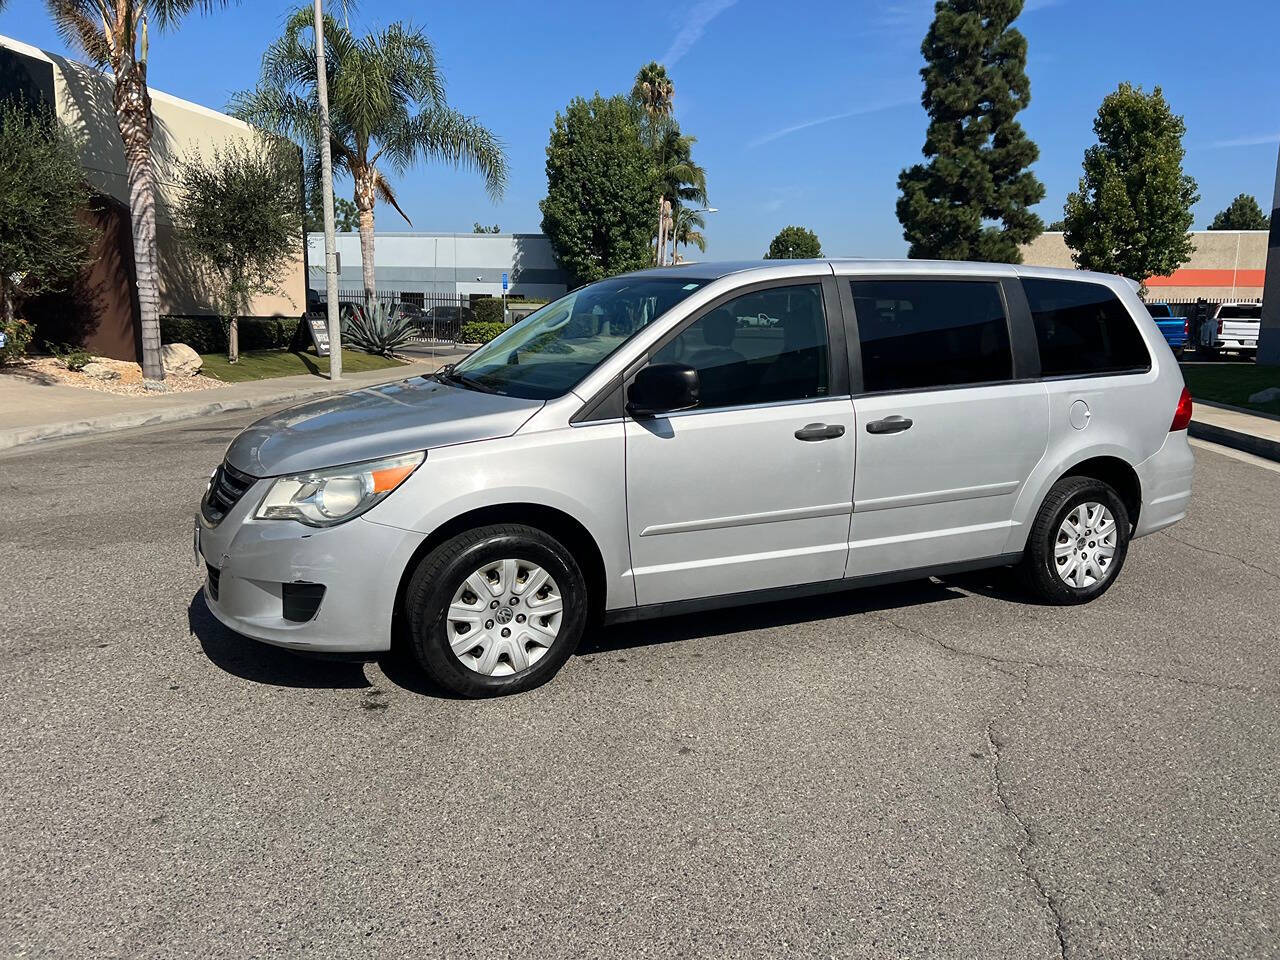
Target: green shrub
(209, 334)
(379, 331)
(73, 358)
(480, 331)
(488, 310)
(17, 337)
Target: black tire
(1038, 567)
(441, 572)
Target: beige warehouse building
(105, 303)
(1225, 265)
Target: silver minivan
(711, 434)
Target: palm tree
(686, 231)
(680, 180)
(387, 110)
(654, 94)
(115, 33)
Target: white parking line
(1237, 455)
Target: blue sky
(804, 112)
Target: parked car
(450, 314)
(632, 451)
(412, 311)
(1173, 328)
(1232, 326)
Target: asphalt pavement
(938, 769)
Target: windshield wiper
(471, 382)
(446, 375)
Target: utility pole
(1269, 328)
(326, 190)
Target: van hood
(372, 423)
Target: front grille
(215, 580)
(225, 490)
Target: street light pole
(326, 191)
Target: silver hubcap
(1086, 545)
(504, 617)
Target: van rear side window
(1083, 329)
(924, 334)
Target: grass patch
(261, 364)
(1232, 383)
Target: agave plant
(378, 330)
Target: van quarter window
(1083, 329)
(917, 334)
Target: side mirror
(663, 388)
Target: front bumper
(358, 563)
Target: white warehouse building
(444, 265)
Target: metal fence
(1185, 306)
(438, 317)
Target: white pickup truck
(1232, 326)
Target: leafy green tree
(346, 217)
(1243, 213)
(43, 244)
(971, 198)
(240, 215)
(387, 111)
(478, 227)
(1132, 211)
(1058, 226)
(794, 243)
(598, 209)
(116, 33)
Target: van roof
(714, 270)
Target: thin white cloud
(861, 111)
(693, 27)
(1257, 141)
(780, 197)
(910, 19)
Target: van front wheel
(496, 610)
(1078, 542)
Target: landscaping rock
(180, 360)
(100, 371)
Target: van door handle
(820, 431)
(894, 424)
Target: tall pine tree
(971, 198)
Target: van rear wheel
(1077, 543)
(496, 610)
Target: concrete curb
(1247, 411)
(1235, 439)
(25, 436)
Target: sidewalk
(1252, 432)
(31, 412)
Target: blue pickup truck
(1173, 327)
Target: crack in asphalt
(992, 658)
(1221, 553)
(1047, 899)
(993, 754)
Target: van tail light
(1182, 416)
(1219, 326)
(1186, 326)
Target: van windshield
(550, 351)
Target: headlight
(321, 498)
